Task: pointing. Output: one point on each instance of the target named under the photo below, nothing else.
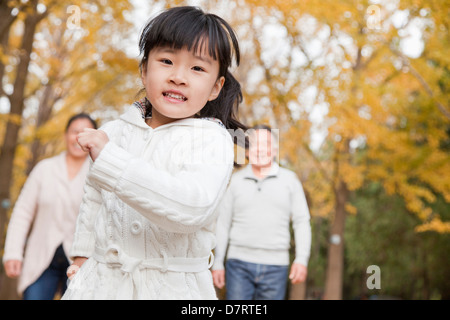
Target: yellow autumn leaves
(383, 115)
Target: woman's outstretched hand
(13, 268)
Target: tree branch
(422, 81)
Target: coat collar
(134, 116)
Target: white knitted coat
(147, 220)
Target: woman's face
(72, 146)
(180, 82)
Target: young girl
(146, 223)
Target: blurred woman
(42, 224)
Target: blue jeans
(54, 277)
(251, 281)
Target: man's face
(261, 149)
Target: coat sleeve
(182, 201)
(84, 238)
(23, 215)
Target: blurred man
(253, 226)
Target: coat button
(136, 227)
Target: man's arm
(225, 215)
(302, 232)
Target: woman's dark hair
(81, 116)
(189, 27)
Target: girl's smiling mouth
(171, 95)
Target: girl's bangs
(192, 30)
(194, 40)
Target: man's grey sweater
(254, 218)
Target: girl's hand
(13, 268)
(76, 265)
(92, 141)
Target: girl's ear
(144, 72)
(216, 89)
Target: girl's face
(72, 146)
(179, 82)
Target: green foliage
(412, 264)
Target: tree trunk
(15, 120)
(8, 288)
(335, 267)
(6, 19)
(14, 123)
(44, 114)
(297, 291)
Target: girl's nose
(178, 76)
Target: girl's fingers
(72, 270)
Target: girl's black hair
(189, 27)
(81, 116)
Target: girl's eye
(197, 68)
(166, 61)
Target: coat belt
(114, 256)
